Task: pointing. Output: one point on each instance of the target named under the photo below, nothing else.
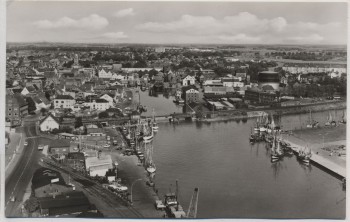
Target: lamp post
(132, 185)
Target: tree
(103, 115)
(43, 111)
(32, 204)
(47, 95)
(78, 122)
(31, 104)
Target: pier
(322, 162)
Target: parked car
(106, 146)
(26, 143)
(159, 205)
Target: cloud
(114, 35)
(246, 27)
(92, 21)
(124, 13)
(239, 38)
(314, 38)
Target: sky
(178, 22)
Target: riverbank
(219, 116)
(327, 144)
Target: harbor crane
(192, 209)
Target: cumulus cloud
(314, 38)
(239, 38)
(114, 35)
(245, 27)
(92, 21)
(124, 12)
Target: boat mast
(177, 193)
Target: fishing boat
(257, 125)
(149, 164)
(343, 121)
(148, 133)
(304, 155)
(154, 123)
(172, 205)
(329, 120)
(274, 154)
(310, 123)
(264, 121)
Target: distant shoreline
(278, 111)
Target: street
(18, 180)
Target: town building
(188, 80)
(98, 166)
(49, 123)
(97, 104)
(260, 96)
(64, 101)
(16, 108)
(269, 78)
(48, 183)
(192, 96)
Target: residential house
(192, 96)
(59, 147)
(64, 101)
(109, 97)
(28, 90)
(105, 74)
(188, 80)
(241, 76)
(49, 123)
(16, 108)
(97, 104)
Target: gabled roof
(20, 99)
(49, 115)
(65, 97)
(68, 203)
(30, 88)
(43, 177)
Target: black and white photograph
(175, 109)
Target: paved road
(18, 180)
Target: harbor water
(237, 179)
(162, 103)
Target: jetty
(322, 162)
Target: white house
(334, 75)
(98, 104)
(188, 80)
(109, 98)
(98, 166)
(49, 123)
(64, 101)
(105, 74)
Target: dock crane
(192, 209)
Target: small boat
(343, 121)
(310, 125)
(151, 168)
(274, 154)
(154, 123)
(304, 156)
(149, 135)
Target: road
(18, 180)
